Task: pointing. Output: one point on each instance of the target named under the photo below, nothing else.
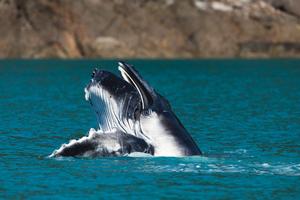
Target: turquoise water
(244, 115)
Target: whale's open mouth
(118, 101)
(130, 75)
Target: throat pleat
(111, 114)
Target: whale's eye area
(136, 113)
(146, 112)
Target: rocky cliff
(149, 28)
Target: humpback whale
(132, 117)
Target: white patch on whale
(164, 143)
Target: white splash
(138, 155)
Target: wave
(240, 161)
(205, 166)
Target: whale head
(130, 104)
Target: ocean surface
(243, 114)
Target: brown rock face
(149, 29)
(291, 7)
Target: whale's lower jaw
(98, 143)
